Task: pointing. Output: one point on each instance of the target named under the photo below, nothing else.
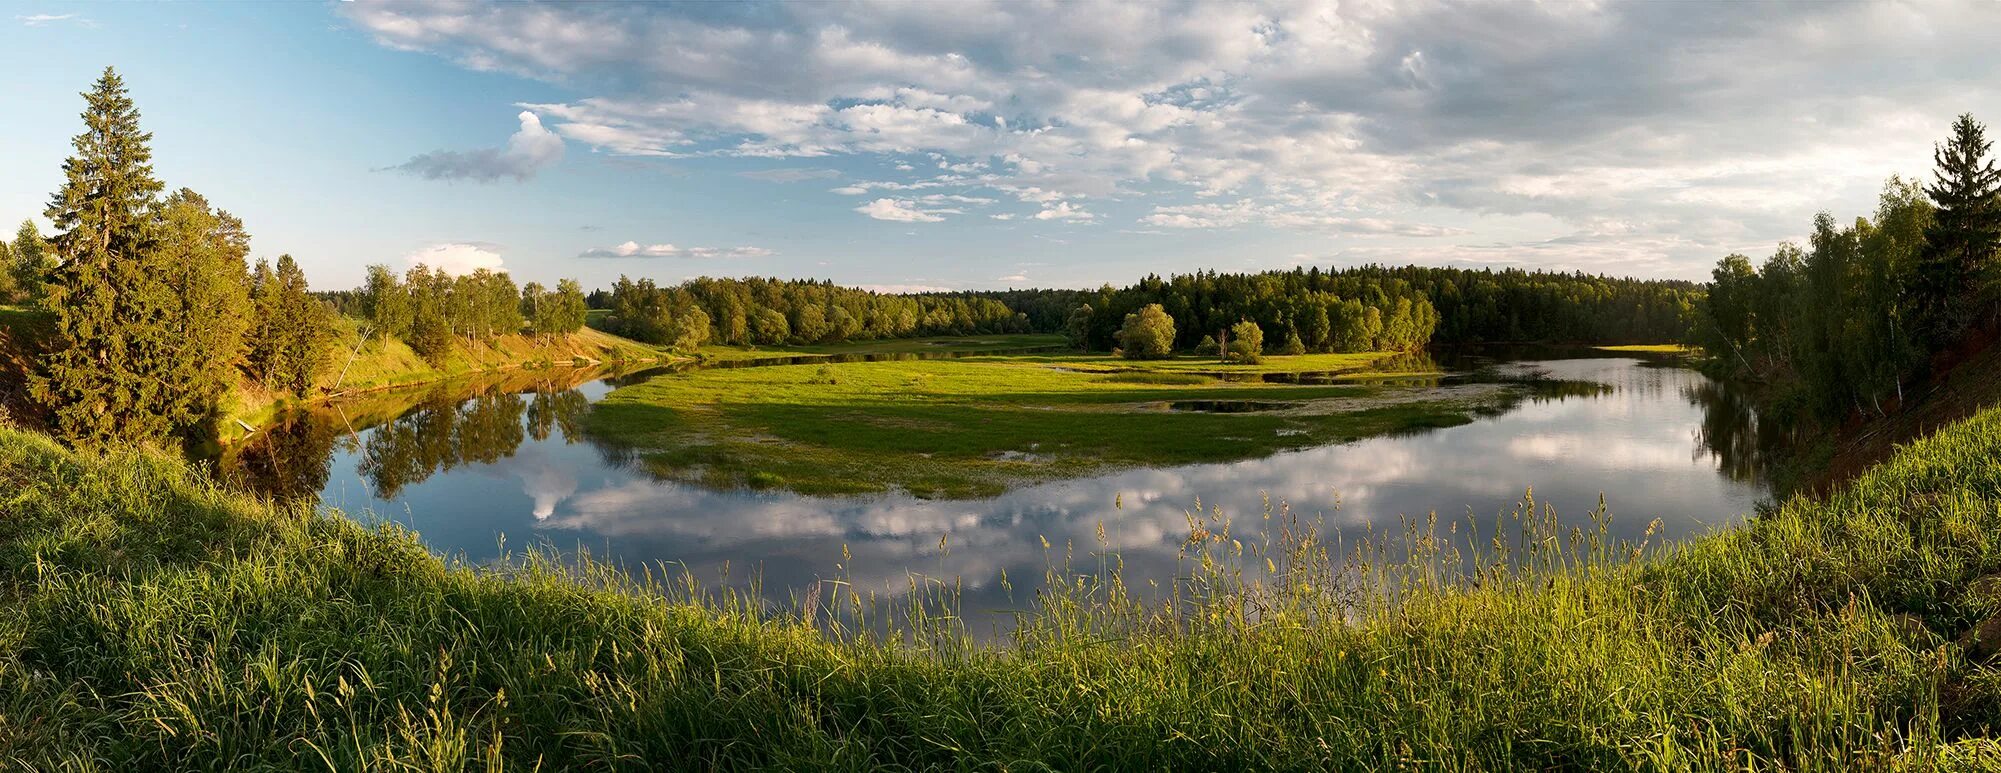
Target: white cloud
(530, 150)
(1417, 120)
(44, 19)
(902, 211)
(1062, 210)
(457, 258)
(633, 249)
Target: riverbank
(158, 622)
(383, 364)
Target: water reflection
(1657, 442)
(1732, 432)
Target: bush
(1207, 347)
(1247, 343)
(1293, 346)
(1148, 334)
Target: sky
(972, 145)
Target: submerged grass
(974, 426)
(156, 622)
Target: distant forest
(1377, 307)
(1365, 308)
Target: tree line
(1842, 325)
(767, 311)
(1371, 308)
(1297, 311)
(431, 310)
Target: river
(506, 467)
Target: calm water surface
(1660, 442)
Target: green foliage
(1364, 309)
(386, 303)
(203, 252)
(28, 264)
(1293, 346)
(1148, 334)
(1821, 636)
(553, 312)
(292, 330)
(1247, 343)
(106, 376)
(768, 312)
(1835, 328)
(768, 327)
(1207, 347)
(1077, 327)
(1963, 235)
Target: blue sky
(978, 145)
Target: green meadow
(974, 426)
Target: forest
(1384, 308)
(768, 312)
(1844, 325)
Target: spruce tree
(102, 379)
(1964, 232)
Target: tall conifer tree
(1964, 232)
(103, 378)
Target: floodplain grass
(159, 623)
(976, 426)
(1682, 349)
(999, 342)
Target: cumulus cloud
(1062, 210)
(1420, 120)
(636, 250)
(530, 150)
(903, 211)
(457, 257)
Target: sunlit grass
(1651, 349)
(975, 426)
(158, 623)
(380, 363)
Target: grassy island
(973, 426)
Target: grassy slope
(385, 364)
(962, 427)
(22, 330)
(1969, 385)
(156, 623)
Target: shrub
(1148, 334)
(1247, 343)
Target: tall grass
(155, 622)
